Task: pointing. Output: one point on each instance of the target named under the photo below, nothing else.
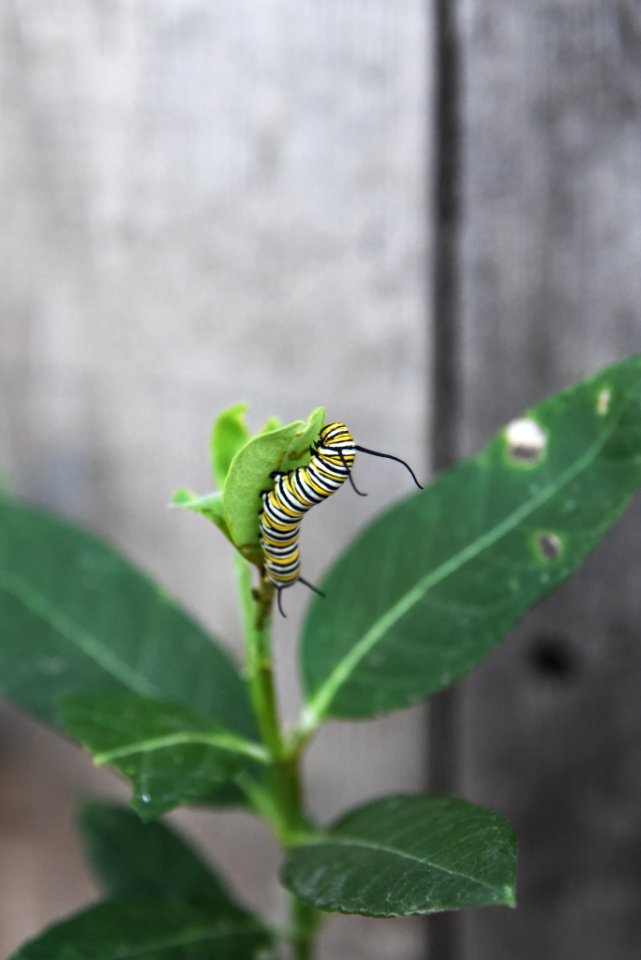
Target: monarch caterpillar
(295, 492)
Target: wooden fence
(424, 215)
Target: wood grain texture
(551, 287)
(206, 202)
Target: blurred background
(423, 215)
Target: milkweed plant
(94, 648)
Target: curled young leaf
(249, 474)
(210, 506)
(241, 465)
(229, 433)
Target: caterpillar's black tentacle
(389, 456)
(350, 477)
(311, 586)
(354, 487)
(297, 491)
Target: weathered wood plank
(551, 292)
(205, 202)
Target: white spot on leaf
(603, 399)
(526, 441)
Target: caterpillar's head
(337, 435)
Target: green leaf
(227, 795)
(76, 617)
(170, 754)
(432, 586)
(249, 474)
(135, 859)
(149, 930)
(209, 506)
(228, 435)
(273, 423)
(406, 855)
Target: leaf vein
(349, 841)
(78, 637)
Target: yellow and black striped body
(294, 493)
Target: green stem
(256, 613)
(305, 922)
(281, 803)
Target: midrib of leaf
(78, 637)
(228, 743)
(348, 841)
(315, 709)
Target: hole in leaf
(553, 656)
(549, 546)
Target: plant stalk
(305, 922)
(284, 806)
